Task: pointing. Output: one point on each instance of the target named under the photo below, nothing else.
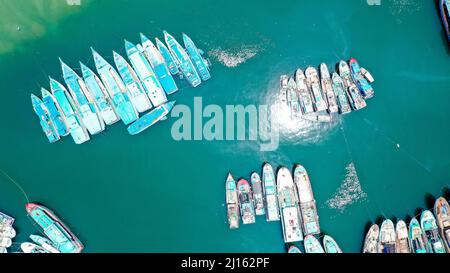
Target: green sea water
(150, 193)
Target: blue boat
(151, 118)
(197, 58)
(182, 60)
(116, 89)
(145, 72)
(66, 104)
(445, 16)
(173, 68)
(363, 85)
(55, 113)
(85, 104)
(159, 65)
(44, 118)
(137, 94)
(101, 97)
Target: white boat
(312, 78)
(288, 203)
(367, 75)
(270, 193)
(32, 248)
(327, 87)
(403, 244)
(303, 92)
(307, 203)
(45, 243)
(388, 238)
(371, 240)
(5, 242)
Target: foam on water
(298, 130)
(234, 57)
(349, 192)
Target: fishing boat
(258, 196)
(159, 65)
(303, 93)
(346, 75)
(100, 95)
(6, 220)
(442, 212)
(151, 118)
(62, 238)
(5, 242)
(246, 202)
(330, 245)
(327, 87)
(45, 243)
(371, 240)
(7, 231)
(367, 75)
(355, 97)
(65, 103)
(146, 74)
(358, 101)
(196, 56)
(292, 100)
(232, 202)
(388, 238)
(312, 245)
(341, 94)
(294, 250)
(133, 85)
(307, 203)
(364, 86)
(270, 192)
(116, 89)
(312, 78)
(445, 16)
(173, 68)
(55, 113)
(284, 81)
(83, 100)
(418, 241)
(431, 231)
(182, 60)
(44, 118)
(403, 245)
(288, 204)
(30, 248)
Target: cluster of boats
(309, 93)
(7, 232)
(92, 101)
(284, 198)
(59, 238)
(430, 235)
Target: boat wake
(349, 192)
(234, 57)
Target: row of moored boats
(92, 101)
(56, 236)
(429, 234)
(310, 95)
(284, 197)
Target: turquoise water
(149, 193)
